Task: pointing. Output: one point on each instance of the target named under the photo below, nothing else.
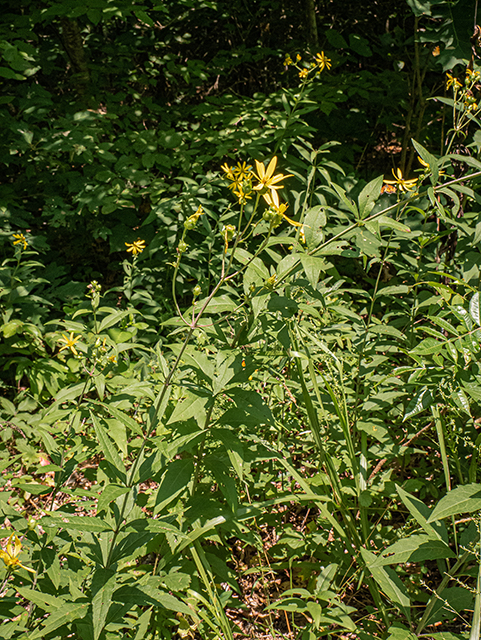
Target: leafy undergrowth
(287, 446)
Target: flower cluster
(464, 88)
(244, 182)
(320, 62)
(240, 178)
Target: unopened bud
(229, 232)
(182, 247)
(197, 291)
(270, 282)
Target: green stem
(435, 597)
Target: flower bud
(229, 232)
(270, 282)
(197, 291)
(182, 247)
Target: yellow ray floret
(266, 177)
(10, 555)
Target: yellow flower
(303, 73)
(10, 556)
(136, 247)
(288, 60)
(323, 61)
(452, 81)
(266, 178)
(241, 194)
(400, 182)
(472, 76)
(240, 177)
(69, 343)
(298, 57)
(272, 200)
(228, 171)
(242, 172)
(20, 239)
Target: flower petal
(271, 167)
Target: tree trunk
(73, 43)
(312, 38)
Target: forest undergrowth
(264, 422)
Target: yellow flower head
(266, 177)
(20, 239)
(400, 182)
(136, 247)
(288, 60)
(451, 80)
(472, 76)
(303, 73)
(323, 61)
(272, 199)
(242, 171)
(298, 57)
(69, 342)
(240, 177)
(242, 195)
(10, 555)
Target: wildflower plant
(272, 385)
(465, 106)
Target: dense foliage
(240, 319)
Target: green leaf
(367, 242)
(314, 220)
(219, 304)
(108, 449)
(368, 196)
(70, 393)
(34, 489)
(112, 319)
(415, 548)
(109, 494)
(121, 417)
(68, 613)
(42, 600)
(464, 499)
(428, 346)
(76, 523)
(348, 203)
(389, 583)
(313, 266)
(144, 17)
(395, 290)
(420, 7)
(176, 479)
(146, 594)
(474, 309)
(102, 587)
(421, 512)
(398, 633)
(419, 403)
(384, 221)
